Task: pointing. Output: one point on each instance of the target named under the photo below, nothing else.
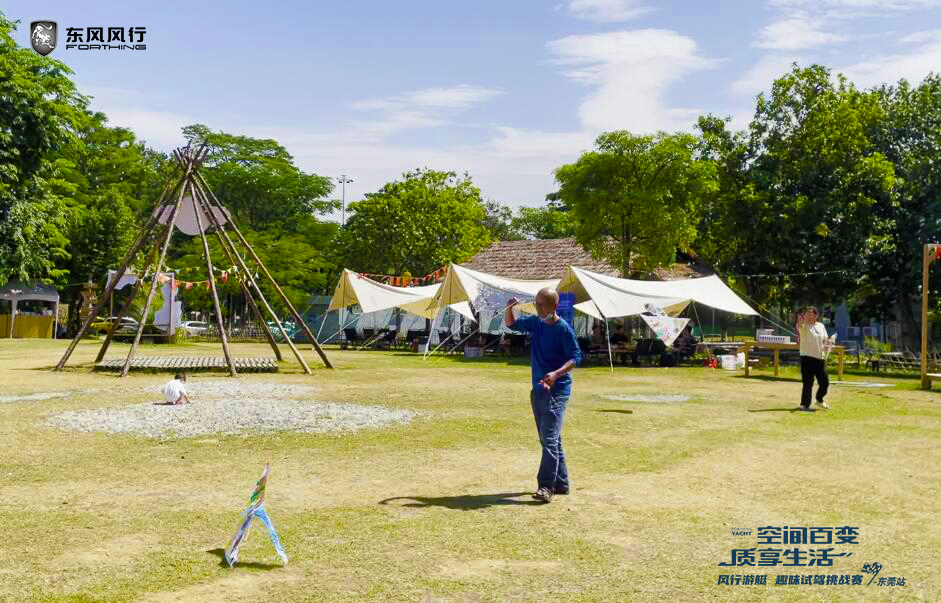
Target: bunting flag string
(408, 281)
(221, 277)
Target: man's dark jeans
(549, 412)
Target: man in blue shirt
(554, 354)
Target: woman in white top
(814, 346)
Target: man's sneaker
(822, 404)
(543, 494)
(804, 409)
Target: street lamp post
(343, 180)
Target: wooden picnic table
(777, 347)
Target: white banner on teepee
(667, 329)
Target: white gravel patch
(667, 398)
(232, 407)
(44, 396)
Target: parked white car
(194, 327)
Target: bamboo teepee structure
(189, 186)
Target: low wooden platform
(190, 364)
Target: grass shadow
(220, 553)
(768, 378)
(789, 409)
(467, 502)
(617, 410)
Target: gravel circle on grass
(667, 398)
(230, 407)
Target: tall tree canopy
(258, 181)
(40, 114)
(414, 225)
(636, 199)
(798, 190)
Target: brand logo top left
(42, 36)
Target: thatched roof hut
(548, 258)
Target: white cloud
(631, 71)
(417, 109)
(608, 11)
(860, 5)
(795, 32)
(515, 166)
(913, 65)
(124, 108)
(457, 97)
(760, 76)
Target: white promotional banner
(666, 328)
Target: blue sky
(506, 91)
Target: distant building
(548, 258)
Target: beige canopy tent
(373, 296)
(485, 292)
(615, 297)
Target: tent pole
(323, 321)
(608, 340)
(153, 285)
(284, 298)
(212, 287)
(12, 315)
(204, 202)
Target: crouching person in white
(174, 392)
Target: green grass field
(439, 509)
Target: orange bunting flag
(937, 252)
(189, 286)
(225, 277)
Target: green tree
(295, 262)
(550, 222)
(416, 224)
(636, 199)
(257, 180)
(498, 221)
(909, 136)
(797, 191)
(40, 113)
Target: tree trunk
(626, 247)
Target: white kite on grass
(255, 510)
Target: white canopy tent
(615, 297)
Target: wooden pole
(153, 286)
(127, 304)
(241, 263)
(245, 291)
(212, 286)
(110, 288)
(264, 270)
(925, 263)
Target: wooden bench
(190, 364)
